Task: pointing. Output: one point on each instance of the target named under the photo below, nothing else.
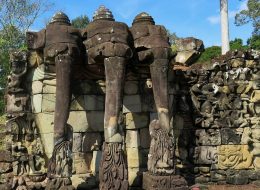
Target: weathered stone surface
(48, 143)
(230, 136)
(234, 157)
(77, 103)
(37, 103)
(95, 162)
(171, 182)
(132, 139)
(132, 103)
(48, 102)
(94, 103)
(5, 156)
(77, 142)
(5, 167)
(82, 162)
(144, 157)
(91, 142)
(37, 87)
(133, 157)
(153, 116)
(131, 87)
(48, 89)
(208, 137)
(205, 155)
(188, 50)
(136, 120)
(82, 121)
(45, 122)
(134, 177)
(145, 139)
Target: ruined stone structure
(108, 107)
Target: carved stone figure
(62, 47)
(16, 96)
(107, 45)
(153, 49)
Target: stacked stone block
(225, 99)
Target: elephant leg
(61, 155)
(63, 96)
(113, 168)
(159, 73)
(114, 71)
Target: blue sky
(197, 18)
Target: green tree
(210, 53)
(254, 42)
(251, 14)
(16, 16)
(237, 44)
(80, 22)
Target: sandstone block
(82, 121)
(136, 120)
(45, 122)
(144, 157)
(145, 138)
(48, 102)
(94, 102)
(133, 157)
(48, 89)
(208, 137)
(134, 177)
(77, 142)
(132, 103)
(234, 157)
(132, 139)
(82, 162)
(230, 136)
(131, 87)
(153, 116)
(205, 155)
(77, 103)
(48, 143)
(91, 142)
(37, 103)
(5, 167)
(37, 87)
(97, 156)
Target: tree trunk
(224, 26)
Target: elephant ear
(35, 40)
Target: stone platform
(171, 182)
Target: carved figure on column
(62, 46)
(107, 45)
(153, 49)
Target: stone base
(171, 182)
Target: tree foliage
(237, 44)
(210, 53)
(254, 42)
(16, 16)
(251, 14)
(80, 22)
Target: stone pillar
(152, 48)
(224, 26)
(106, 49)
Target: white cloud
(215, 19)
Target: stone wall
(86, 122)
(215, 110)
(226, 108)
